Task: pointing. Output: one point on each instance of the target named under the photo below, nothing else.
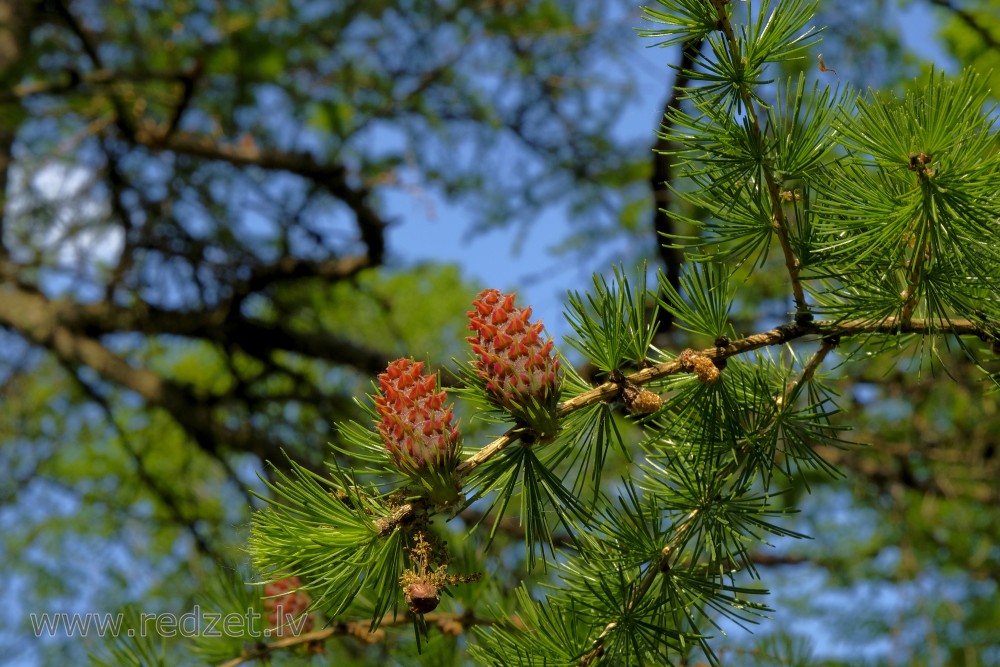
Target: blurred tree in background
(199, 275)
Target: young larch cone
(520, 373)
(703, 367)
(416, 426)
(286, 605)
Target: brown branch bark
(292, 268)
(223, 324)
(332, 177)
(88, 44)
(71, 80)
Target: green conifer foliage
(881, 211)
(883, 215)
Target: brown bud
(422, 597)
(705, 369)
(699, 364)
(640, 401)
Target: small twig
(188, 81)
(403, 513)
(165, 495)
(909, 295)
(487, 452)
(73, 81)
(970, 20)
(809, 370)
(88, 43)
(655, 570)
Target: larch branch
(830, 331)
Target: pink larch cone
(518, 368)
(286, 605)
(416, 426)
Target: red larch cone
(416, 427)
(520, 373)
(286, 604)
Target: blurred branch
(118, 185)
(87, 43)
(71, 80)
(292, 268)
(333, 178)
(892, 464)
(223, 324)
(37, 319)
(164, 494)
(971, 22)
(663, 176)
(15, 34)
(219, 325)
(188, 81)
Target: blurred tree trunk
(15, 23)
